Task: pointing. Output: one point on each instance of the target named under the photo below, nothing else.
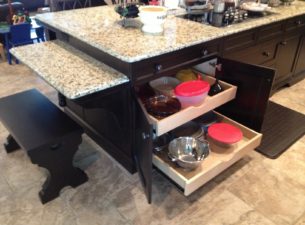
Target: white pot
(153, 18)
(171, 4)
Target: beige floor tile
(225, 209)
(20, 172)
(271, 193)
(168, 203)
(104, 213)
(301, 221)
(291, 163)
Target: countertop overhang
(70, 71)
(100, 27)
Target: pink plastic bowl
(192, 93)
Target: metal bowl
(188, 152)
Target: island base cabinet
(219, 159)
(107, 118)
(247, 104)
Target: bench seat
(47, 134)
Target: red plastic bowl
(192, 93)
(192, 88)
(225, 133)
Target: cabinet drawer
(218, 160)
(295, 24)
(258, 54)
(271, 31)
(151, 68)
(239, 41)
(184, 115)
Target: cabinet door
(253, 89)
(286, 58)
(143, 149)
(300, 66)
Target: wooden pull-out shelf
(211, 102)
(220, 158)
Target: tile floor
(255, 190)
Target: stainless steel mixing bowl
(188, 152)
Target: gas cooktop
(228, 17)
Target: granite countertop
(99, 27)
(68, 70)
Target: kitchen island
(113, 117)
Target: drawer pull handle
(145, 136)
(205, 52)
(284, 43)
(267, 54)
(158, 67)
(298, 22)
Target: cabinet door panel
(300, 66)
(143, 149)
(286, 58)
(253, 89)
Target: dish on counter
(254, 6)
(153, 18)
(161, 106)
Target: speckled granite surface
(68, 70)
(99, 26)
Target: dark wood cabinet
(287, 52)
(279, 44)
(300, 63)
(248, 107)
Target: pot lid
(225, 133)
(192, 88)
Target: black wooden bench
(47, 134)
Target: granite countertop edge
(102, 77)
(208, 32)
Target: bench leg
(58, 160)
(11, 144)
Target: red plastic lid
(225, 133)
(192, 88)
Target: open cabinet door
(143, 149)
(254, 84)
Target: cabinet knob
(158, 67)
(267, 54)
(145, 136)
(284, 43)
(204, 52)
(298, 22)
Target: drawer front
(149, 69)
(220, 158)
(271, 31)
(239, 41)
(295, 24)
(267, 52)
(258, 54)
